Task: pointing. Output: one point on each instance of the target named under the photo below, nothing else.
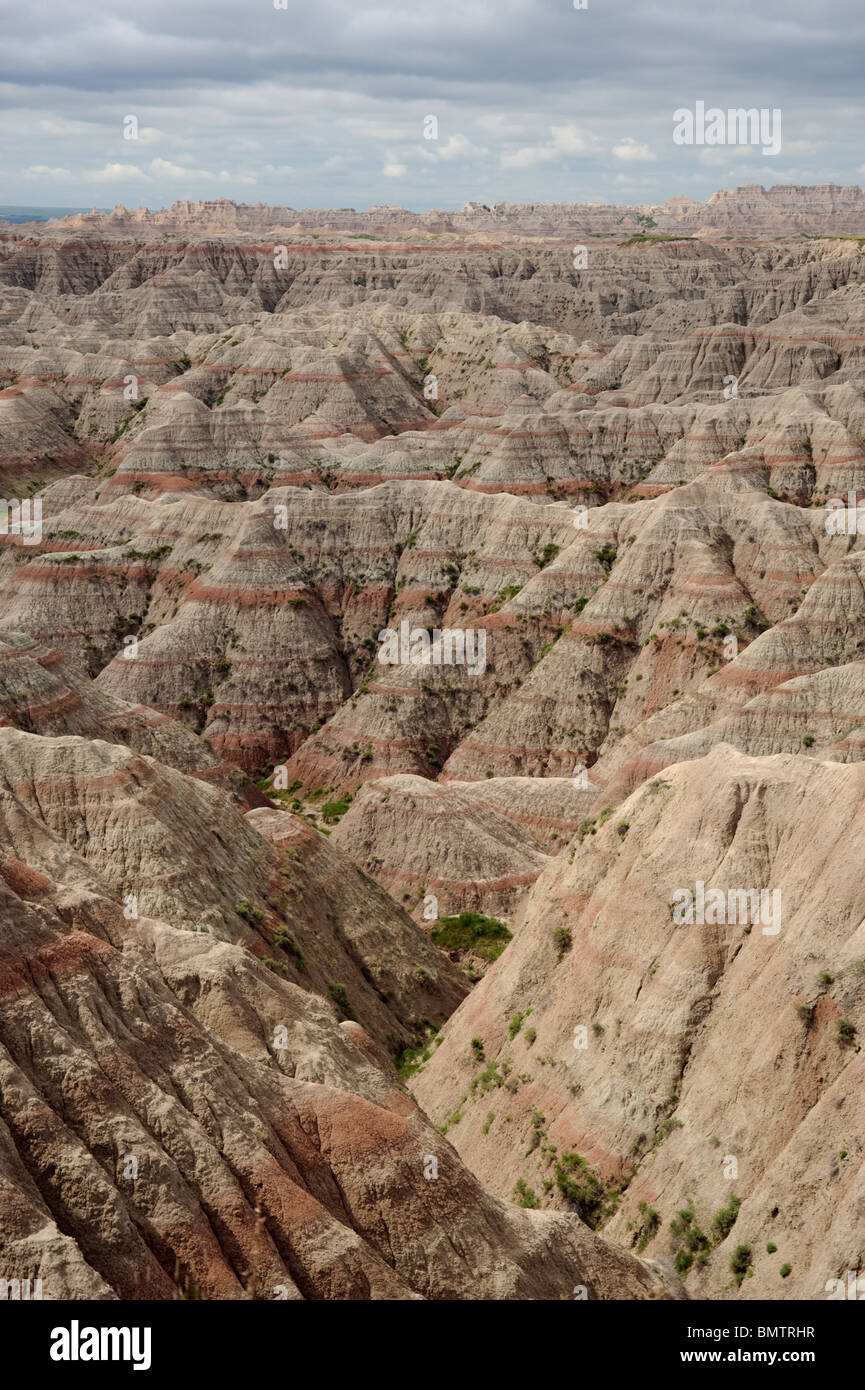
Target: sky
(326, 103)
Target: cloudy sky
(323, 103)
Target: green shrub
(332, 810)
(580, 1186)
(740, 1262)
(665, 1128)
(412, 1059)
(606, 556)
(648, 1227)
(283, 938)
(340, 998)
(562, 940)
(724, 1220)
(538, 1122)
(525, 1196)
(471, 931)
(846, 1032)
(490, 1077)
(549, 552)
(691, 1243)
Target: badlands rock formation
(475, 846)
(751, 209)
(187, 1109)
(258, 440)
(660, 1052)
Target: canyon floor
(325, 977)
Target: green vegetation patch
(471, 931)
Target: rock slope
(185, 1116)
(258, 441)
(689, 1063)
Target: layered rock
(691, 1063)
(784, 208)
(181, 1121)
(273, 449)
(462, 846)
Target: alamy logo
(19, 1290)
(440, 646)
(76, 1343)
(22, 518)
(853, 1289)
(736, 126)
(714, 908)
(845, 519)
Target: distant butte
(817, 210)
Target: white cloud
(567, 143)
(496, 123)
(718, 156)
(805, 147)
(457, 147)
(167, 170)
(632, 152)
(340, 80)
(528, 157)
(118, 171)
(49, 126)
(149, 135)
(42, 171)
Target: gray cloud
(323, 104)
